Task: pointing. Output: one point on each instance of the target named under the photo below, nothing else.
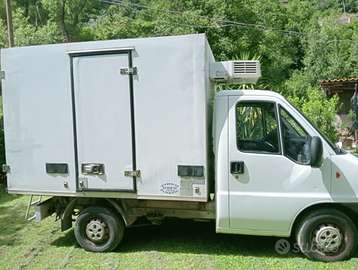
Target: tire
(99, 229)
(327, 235)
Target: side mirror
(316, 152)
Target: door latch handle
(92, 168)
(237, 167)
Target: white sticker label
(169, 188)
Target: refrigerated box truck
(124, 130)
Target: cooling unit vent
(235, 72)
(245, 67)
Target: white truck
(122, 131)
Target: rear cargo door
(103, 113)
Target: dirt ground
(350, 142)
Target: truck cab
(274, 167)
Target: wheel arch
(66, 217)
(351, 210)
(117, 205)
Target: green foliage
(331, 50)
(325, 4)
(2, 11)
(287, 37)
(255, 122)
(351, 115)
(296, 85)
(296, 52)
(249, 122)
(24, 33)
(114, 23)
(3, 34)
(320, 111)
(71, 17)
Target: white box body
(69, 108)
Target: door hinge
(132, 173)
(129, 71)
(6, 168)
(2, 74)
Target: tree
(320, 111)
(116, 22)
(71, 17)
(325, 4)
(349, 6)
(281, 45)
(295, 50)
(3, 34)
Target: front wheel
(327, 235)
(98, 229)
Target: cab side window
(295, 139)
(257, 127)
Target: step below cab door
(270, 178)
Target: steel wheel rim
(327, 237)
(97, 230)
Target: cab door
(270, 178)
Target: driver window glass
(295, 139)
(257, 127)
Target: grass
(176, 244)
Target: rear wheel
(99, 229)
(327, 235)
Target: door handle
(237, 167)
(93, 168)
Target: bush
(319, 110)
